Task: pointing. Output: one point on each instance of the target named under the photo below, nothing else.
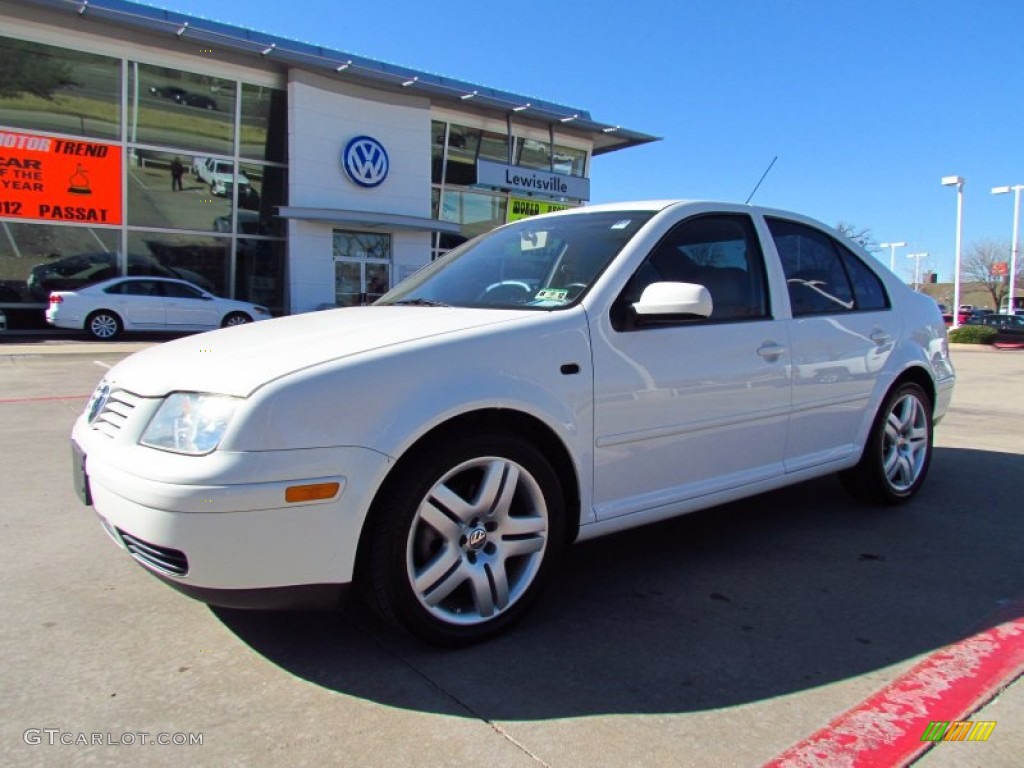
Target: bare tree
(986, 263)
(860, 235)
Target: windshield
(547, 262)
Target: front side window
(720, 252)
(823, 276)
(543, 263)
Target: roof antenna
(761, 179)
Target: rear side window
(822, 275)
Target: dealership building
(135, 140)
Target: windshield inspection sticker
(552, 294)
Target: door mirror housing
(674, 301)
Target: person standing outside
(177, 171)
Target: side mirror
(660, 300)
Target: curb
(949, 685)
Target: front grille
(115, 412)
(161, 558)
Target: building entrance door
(362, 267)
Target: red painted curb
(886, 729)
(47, 399)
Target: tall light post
(1016, 241)
(917, 268)
(892, 253)
(958, 182)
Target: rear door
(842, 333)
(140, 303)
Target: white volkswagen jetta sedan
(557, 379)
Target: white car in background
(106, 309)
(559, 378)
(219, 175)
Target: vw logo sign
(365, 161)
(98, 400)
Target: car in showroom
(108, 308)
(559, 378)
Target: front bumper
(229, 537)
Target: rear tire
(898, 452)
(464, 537)
(103, 325)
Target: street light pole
(958, 182)
(892, 253)
(917, 268)
(1016, 241)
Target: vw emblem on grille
(477, 538)
(97, 401)
(365, 161)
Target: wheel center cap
(477, 538)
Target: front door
(689, 408)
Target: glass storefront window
(171, 108)
(258, 200)
(537, 154)
(175, 191)
(202, 261)
(463, 144)
(437, 132)
(475, 211)
(38, 258)
(59, 90)
(264, 131)
(259, 272)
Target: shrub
(973, 334)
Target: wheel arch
(103, 311)
(916, 374)
(494, 420)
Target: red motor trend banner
(55, 179)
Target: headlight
(190, 422)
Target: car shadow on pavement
(769, 596)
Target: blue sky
(867, 104)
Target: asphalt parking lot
(719, 639)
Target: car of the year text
(556, 379)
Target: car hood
(237, 361)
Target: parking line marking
(951, 684)
(103, 365)
(49, 398)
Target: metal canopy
(369, 219)
(348, 67)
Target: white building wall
(323, 115)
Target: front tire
(898, 451)
(464, 537)
(103, 325)
(235, 318)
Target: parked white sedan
(106, 309)
(559, 378)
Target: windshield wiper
(419, 303)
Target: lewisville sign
(519, 179)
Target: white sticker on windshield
(552, 294)
(621, 224)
